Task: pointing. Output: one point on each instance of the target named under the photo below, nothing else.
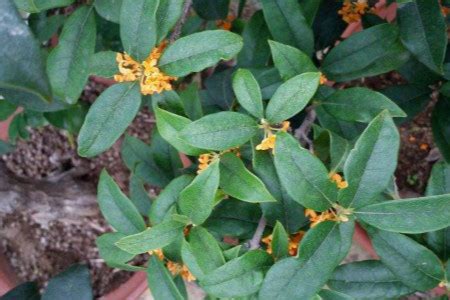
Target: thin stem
(177, 29)
(302, 132)
(254, 243)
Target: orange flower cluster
(227, 23)
(269, 140)
(352, 11)
(316, 218)
(341, 183)
(323, 79)
(152, 80)
(173, 267)
(206, 159)
(294, 241)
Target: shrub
(252, 204)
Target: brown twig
(302, 132)
(177, 29)
(254, 243)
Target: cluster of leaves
(278, 57)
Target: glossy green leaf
(167, 15)
(152, 238)
(211, 9)
(310, 9)
(161, 282)
(287, 211)
(138, 30)
(280, 241)
(332, 295)
(191, 102)
(409, 216)
(44, 27)
(220, 131)
(292, 96)
(371, 52)
(108, 118)
(440, 123)
(117, 209)
(198, 51)
(302, 174)
(168, 198)
(360, 105)
(371, 163)
(21, 67)
(255, 52)
(109, 251)
(166, 157)
(6, 109)
(205, 249)
(139, 195)
(68, 65)
(412, 263)
(288, 25)
(239, 277)
(109, 9)
(34, 6)
(73, 283)
(169, 126)
(240, 183)
(367, 279)
(248, 92)
(290, 61)
(197, 199)
(104, 64)
(423, 31)
(320, 252)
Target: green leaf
(332, 295)
(439, 184)
(117, 209)
(152, 238)
(280, 241)
(310, 9)
(288, 25)
(371, 52)
(167, 15)
(197, 199)
(371, 163)
(199, 51)
(191, 102)
(139, 195)
(240, 183)
(409, 216)
(109, 251)
(109, 9)
(255, 52)
(162, 205)
(108, 118)
(27, 290)
(169, 126)
(412, 263)
(211, 9)
(290, 61)
(35, 6)
(292, 96)
(302, 174)
(285, 210)
(5, 147)
(21, 67)
(104, 64)
(45, 27)
(423, 31)
(73, 283)
(367, 279)
(138, 30)
(161, 282)
(6, 109)
(359, 105)
(320, 252)
(248, 92)
(441, 126)
(68, 64)
(205, 249)
(239, 277)
(166, 157)
(220, 131)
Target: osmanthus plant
(264, 165)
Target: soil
(48, 154)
